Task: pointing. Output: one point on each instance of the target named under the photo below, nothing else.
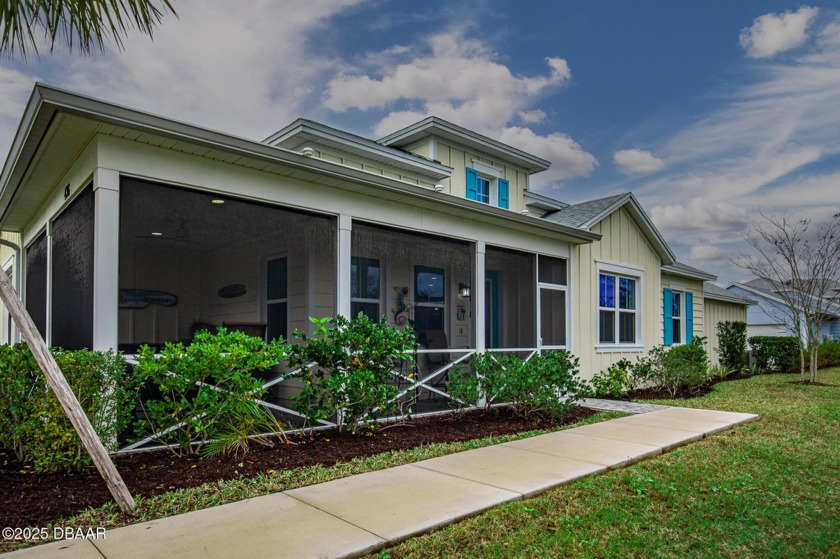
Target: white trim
(106, 254)
(631, 272)
(615, 267)
(618, 348)
(485, 169)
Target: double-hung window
(617, 309)
(486, 185)
(364, 287)
(429, 298)
(276, 303)
(678, 316)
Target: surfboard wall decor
(142, 298)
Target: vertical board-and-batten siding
(622, 243)
(459, 159)
(716, 312)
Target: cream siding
(460, 158)
(376, 168)
(622, 244)
(716, 312)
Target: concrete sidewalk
(359, 514)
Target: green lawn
(766, 489)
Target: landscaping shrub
(616, 382)
(463, 388)
(682, 367)
(829, 355)
(350, 379)
(32, 423)
(776, 353)
(732, 344)
(207, 387)
(547, 383)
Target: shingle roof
(579, 215)
(680, 269)
(712, 291)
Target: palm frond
(82, 24)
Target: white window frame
(266, 301)
(491, 175)
(552, 287)
(377, 302)
(681, 317)
(446, 289)
(629, 272)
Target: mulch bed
(30, 499)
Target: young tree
(82, 23)
(801, 262)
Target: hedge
(776, 353)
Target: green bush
(776, 353)
(682, 367)
(732, 344)
(616, 382)
(207, 388)
(829, 355)
(350, 379)
(32, 423)
(462, 385)
(547, 383)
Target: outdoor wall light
(464, 290)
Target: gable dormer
(483, 169)
(319, 141)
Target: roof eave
(699, 275)
(428, 126)
(46, 101)
(427, 167)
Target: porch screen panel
(553, 317)
(510, 299)
(72, 274)
(36, 282)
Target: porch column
(342, 303)
(106, 248)
(478, 295)
(478, 300)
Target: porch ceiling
(57, 126)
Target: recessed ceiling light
(157, 234)
(217, 201)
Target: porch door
(551, 316)
(492, 321)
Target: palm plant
(83, 24)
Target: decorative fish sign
(142, 298)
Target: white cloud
(700, 215)
(771, 34)
(535, 116)
(459, 79)
(248, 74)
(636, 161)
(567, 158)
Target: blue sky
(709, 111)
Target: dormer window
(486, 185)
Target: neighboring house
(138, 229)
(770, 316)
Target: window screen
(72, 274)
(36, 282)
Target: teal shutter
(689, 317)
(504, 194)
(668, 316)
(472, 184)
